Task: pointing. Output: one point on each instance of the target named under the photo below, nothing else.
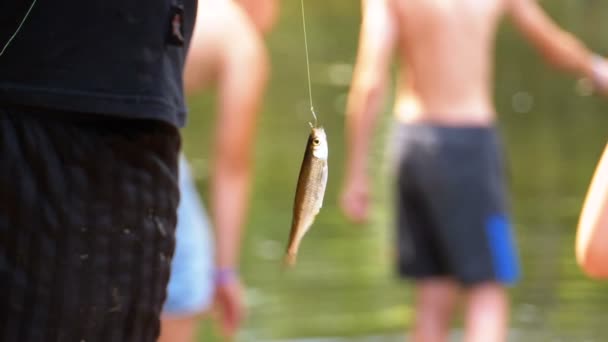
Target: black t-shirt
(111, 57)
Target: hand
(355, 200)
(229, 304)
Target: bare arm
(592, 235)
(376, 46)
(557, 46)
(227, 48)
(226, 45)
(242, 80)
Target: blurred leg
(435, 300)
(486, 317)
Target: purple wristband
(225, 276)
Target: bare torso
(446, 56)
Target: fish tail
(290, 259)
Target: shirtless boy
(453, 228)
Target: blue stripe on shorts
(502, 247)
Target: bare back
(446, 54)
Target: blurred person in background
(227, 50)
(453, 230)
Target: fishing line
(10, 40)
(312, 108)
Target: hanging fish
(310, 190)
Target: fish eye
(316, 141)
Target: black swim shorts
(451, 203)
(87, 219)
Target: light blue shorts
(190, 288)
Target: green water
(343, 285)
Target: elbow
(373, 92)
(233, 163)
(555, 60)
(363, 94)
(232, 172)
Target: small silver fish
(309, 192)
